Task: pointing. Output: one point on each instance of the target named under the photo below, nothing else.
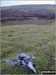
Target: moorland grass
(37, 40)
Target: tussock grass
(37, 40)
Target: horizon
(30, 4)
(14, 3)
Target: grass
(37, 40)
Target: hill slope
(26, 12)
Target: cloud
(9, 3)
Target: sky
(24, 2)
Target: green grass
(37, 40)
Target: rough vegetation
(27, 12)
(29, 29)
(37, 40)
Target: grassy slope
(37, 40)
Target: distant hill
(27, 12)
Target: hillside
(26, 12)
(37, 40)
(28, 29)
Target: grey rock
(23, 60)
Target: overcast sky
(24, 2)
